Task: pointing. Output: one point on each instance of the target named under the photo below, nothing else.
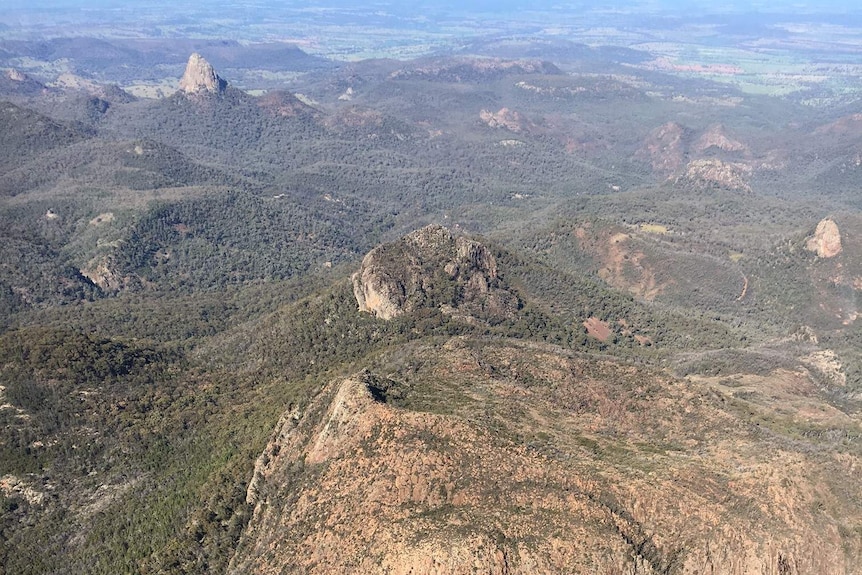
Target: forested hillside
(525, 307)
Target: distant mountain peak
(16, 75)
(16, 83)
(201, 77)
(716, 137)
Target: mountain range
(458, 314)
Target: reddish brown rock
(544, 463)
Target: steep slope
(27, 134)
(14, 83)
(182, 245)
(505, 457)
(200, 77)
(431, 267)
(484, 453)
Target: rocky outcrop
(102, 271)
(519, 459)
(16, 75)
(16, 83)
(826, 241)
(432, 268)
(511, 120)
(12, 486)
(669, 146)
(716, 138)
(201, 78)
(356, 485)
(664, 148)
(714, 172)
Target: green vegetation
(175, 274)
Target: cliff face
(200, 77)
(431, 268)
(826, 241)
(515, 458)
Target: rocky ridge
(473, 69)
(16, 83)
(716, 137)
(361, 481)
(713, 158)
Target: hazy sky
(38, 18)
(465, 5)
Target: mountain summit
(432, 267)
(201, 77)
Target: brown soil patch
(621, 264)
(643, 340)
(597, 328)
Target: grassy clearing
(654, 229)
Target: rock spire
(200, 77)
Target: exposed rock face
(730, 175)
(200, 77)
(715, 137)
(386, 476)
(506, 118)
(16, 83)
(16, 75)
(11, 485)
(669, 146)
(102, 272)
(623, 265)
(431, 268)
(665, 148)
(360, 482)
(826, 242)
